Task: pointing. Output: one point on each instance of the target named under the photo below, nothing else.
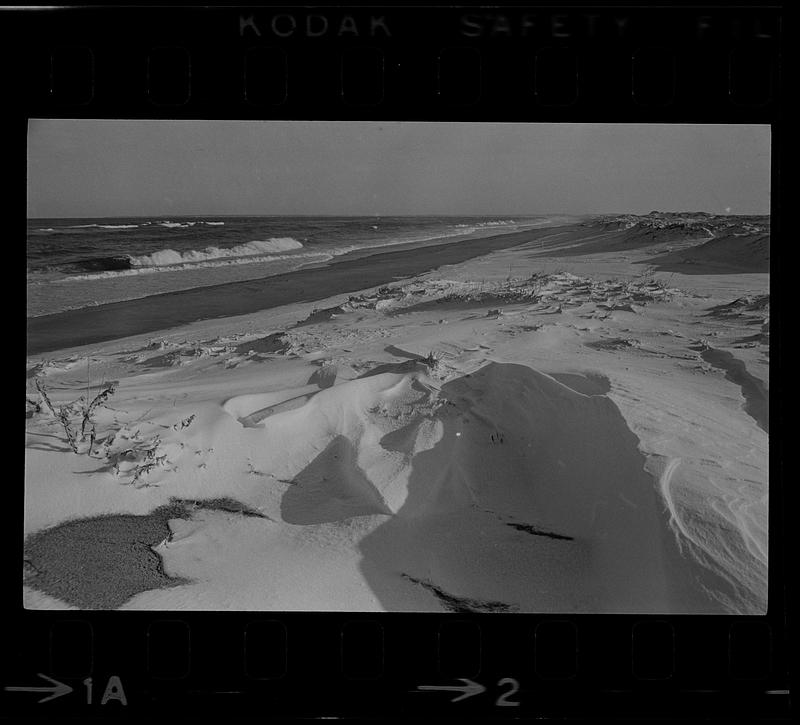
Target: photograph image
(397, 367)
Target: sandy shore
(349, 273)
(537, 423)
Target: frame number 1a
(113, 691)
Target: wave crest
(170, 257)
(308, 257)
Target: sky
(106, 168)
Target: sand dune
(557, 440)
(742, 253)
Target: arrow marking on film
(468, 689)
(56, 690)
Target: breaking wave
(308, 258)
(169, 257)
(274, 249)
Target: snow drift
(503, 485)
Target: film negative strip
(516, 466)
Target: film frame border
(184, 66)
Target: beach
(351, 272)
(567, 418)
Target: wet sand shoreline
(90, 325)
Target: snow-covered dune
(466, 441)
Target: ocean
(75, 263)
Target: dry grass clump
(431, 360)
(126, 453)
(81, 409)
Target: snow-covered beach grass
(538, 428)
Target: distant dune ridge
(741, 252)
(738, 243)
(573, 420)
(687, 220)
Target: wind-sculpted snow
(551, 426)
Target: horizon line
(372, 216)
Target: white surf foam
(267, 251)
(170, 257)
(96, 226)
(167, 224)
(184, 225)
(496, 223)
(307, 257)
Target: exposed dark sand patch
(101, 562)
(756, 396)
(463, 605)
